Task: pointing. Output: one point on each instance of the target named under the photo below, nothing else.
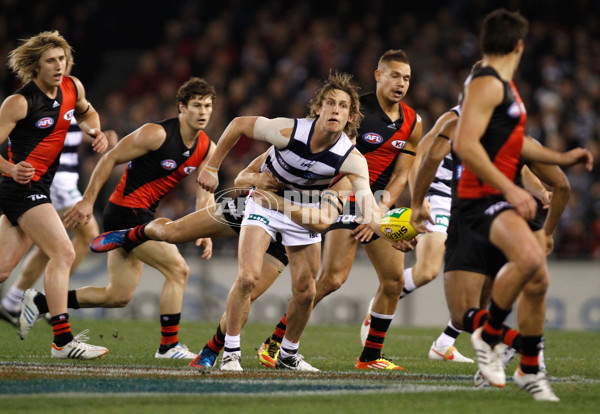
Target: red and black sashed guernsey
(380, 139)
(502, 140)
(39, 138)
(150, 177)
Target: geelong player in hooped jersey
(35, 119)
(308, 154)
(159, 156)
(387, 137)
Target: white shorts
(63, 191)
(274, 222)
(440, 213)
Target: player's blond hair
(24, 60)
(342, 82)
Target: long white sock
(12, 300)
(409, 283)
(232, 345)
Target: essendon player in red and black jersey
(489, 138)
(159, 156)
(35, 120)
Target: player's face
(51, 67)
(335, 111)
(198, 111)
(393, 79)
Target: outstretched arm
(317, 219)
(275, 131)
(143, 140)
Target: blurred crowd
(267, 58)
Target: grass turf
(130, 380)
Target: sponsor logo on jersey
(55, 104)
(459, 171)
(168, 164)
(398, 143)
(189, 170)
(442, 220)
(35, 197)
(258, 217)
(514, 110)
(373, 138)
(497, 207)
(45, 122)
(392, 126)
(186, 153)
(307, 164)
(68, 115)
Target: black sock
(41, 303)
(72, 302)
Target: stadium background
(268, 57)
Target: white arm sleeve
(276, 131)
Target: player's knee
(246, 281)
(428, 274)
(530, 260)
(117, 299)
(330, 282)
(179, 272)
(537, 286)
(392, 285)
(304, 294)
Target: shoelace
(82, 336)
(273, 348)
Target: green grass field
(130, 380)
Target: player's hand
(363, 233)
(267, 181)
(580, 155)
(208, 180)
(419, 215)
(100, 142)
(80, 213)
(405, 245)
(22, 172)
(208, 247)
(522, 201)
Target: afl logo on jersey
(189, 170)
(514, 111)
(168, 164)
(398, 143)
(68, 115)
(373, 138)
(44, 123)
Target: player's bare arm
(13, 109)
(555, 178)
(251, 176)
(317, 219)
(481, 97)
(424, 145)
(145, 139)
(205, 199)
(534, 151)
(402, 166)
(275, 131)
(439, 148)
(88, 119)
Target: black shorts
(233, 213)
(119, 218)
(469, 251)
(347, 220)
(16, 199)
(478, 214)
